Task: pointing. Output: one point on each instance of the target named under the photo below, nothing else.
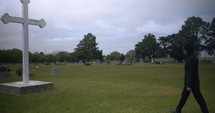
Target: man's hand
(189, 89)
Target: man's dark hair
(189, 48)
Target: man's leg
(200, 99)
(184, 95)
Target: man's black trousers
(198, 96)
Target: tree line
(194, 30)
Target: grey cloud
(121, 23)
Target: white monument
(25, 21)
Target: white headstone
(25, 21)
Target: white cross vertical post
(25, 22)
(25, 57)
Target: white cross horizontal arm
(40, 22)
(6, 18)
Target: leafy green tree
(210, 41)
(115, 55)
(147, 47)
(194, 31)
(49, 58)
(122, 57)
(11, 56)
(2, 52)
(131, 55)
(87, 49)
(63, 56)
(37, 57)
(107, 57)
(173, 46)
(160, 53)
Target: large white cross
(25, 22)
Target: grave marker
(56, 71)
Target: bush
(19, 72)
(87, 64)
(157, 62)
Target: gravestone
(141, 61)
(3, 69)
(56, 71)
(109, 62)
(5, 75)
(3, 72)
(26, 86)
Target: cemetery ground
(137, 88)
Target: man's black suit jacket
(192, 72)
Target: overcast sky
(117, 24)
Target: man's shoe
(175, 111)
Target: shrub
(19, 72)
(87, 64)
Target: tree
(130, 55)
(87, 49)
(122, 57)
(63, 56)
(194, 30)
(147, 47)
(11, 56)
(173, 46)
(165, 45)
(160, 53)
(35, 57)
(210, 40)
(115, 55)
(49, 58)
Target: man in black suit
(191, 81)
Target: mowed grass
(135, 88)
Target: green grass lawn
(110, 89)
